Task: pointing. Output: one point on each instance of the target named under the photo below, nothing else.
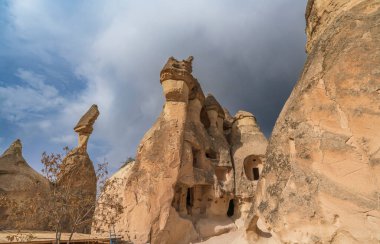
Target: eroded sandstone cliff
(182, 187)
(321, 180)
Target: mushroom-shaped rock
(197, 93)
(77, 171)
(212, 104)
(215, 113)
(248, 147)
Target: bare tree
(66, 207)
(109, 205)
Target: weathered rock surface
(106, 213)
(19, 183)
(77, 172)
(182, 186)
(321, 180)
(248, 151)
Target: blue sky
(57, 58)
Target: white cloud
(31, 98)
(119, 47)
(37, 82)
(64, 139)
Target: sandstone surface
(248, 151)
(321, 180)
(105, 212)
(182, 186)
(19, 183)
(77, 171)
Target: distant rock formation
(321, 180)
(182, 186)
(19, 183)
(77, 172)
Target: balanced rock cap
(243, 114)
(212, 104)
(178, 70)
(87, 121)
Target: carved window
(252, 167)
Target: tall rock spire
(77, 170)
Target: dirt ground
(43, 236)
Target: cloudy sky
(57, 58)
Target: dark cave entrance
(211, 154)
(256, 174)
(189, 200)
(231, 208)
(195, 158)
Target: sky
(57, 58)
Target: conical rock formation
(19, 183)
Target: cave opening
(231, 208)
(211, 154)
(256, 174)
(195, 158)
(189, 200)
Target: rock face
(19, 182)
(182, 186)
(321, 180)
(77, 172)
(248, 151)
(105, 213)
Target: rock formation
(321, 180)
(182, 186)
(19, 183)
(110, 199)
(77, 172)
(84, 126)
(248, 151)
